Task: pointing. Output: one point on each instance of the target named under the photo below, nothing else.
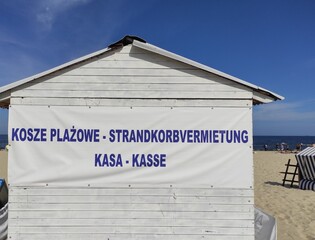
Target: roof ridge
(126, 40)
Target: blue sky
(270, 43)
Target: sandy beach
(293, 208)
(3, 164)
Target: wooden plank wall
(130, 212)
(132, 76)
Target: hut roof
(260, 95)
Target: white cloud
(7, 38)
(48, 10)
(285, 119)
(295, 111)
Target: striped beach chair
(306, 162)
(3, 210)
(3, 193)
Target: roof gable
(260, 95)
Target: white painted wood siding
(132, 76)
(119, 213)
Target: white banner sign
(101, 145)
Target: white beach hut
(131, 142)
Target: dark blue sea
(259, 141)
(290, 142)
